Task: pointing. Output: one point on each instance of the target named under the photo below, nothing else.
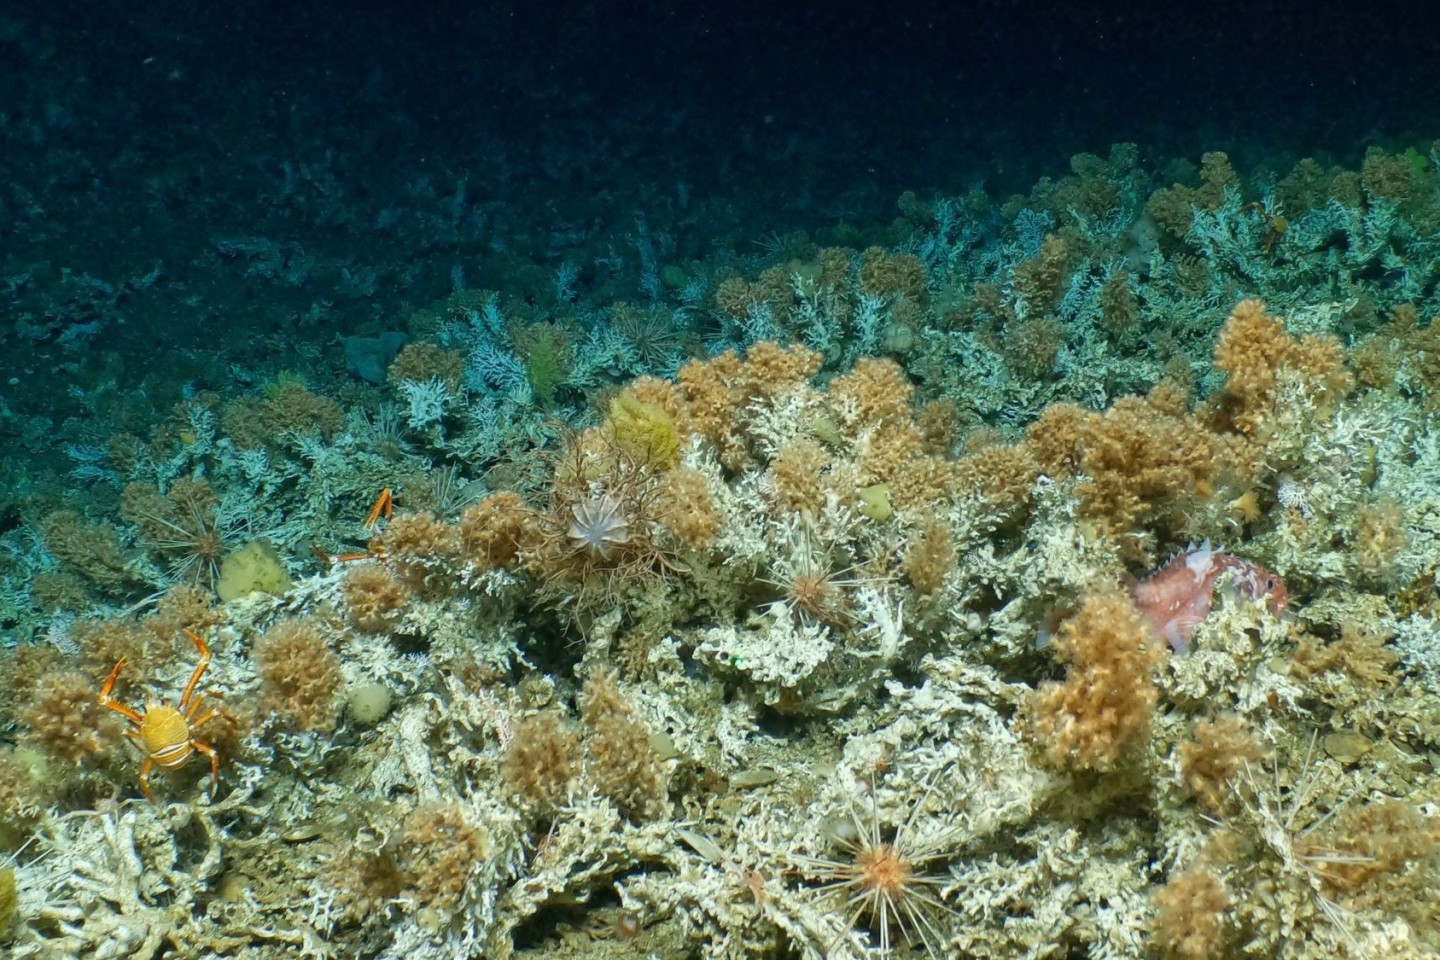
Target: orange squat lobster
(162, 732)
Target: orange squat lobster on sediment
(162, 732)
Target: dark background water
(382, 153)
(840, 97)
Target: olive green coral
(643, 430)
(9, 898)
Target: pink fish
(1178, 596)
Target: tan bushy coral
(151, 643)
(712, 400)
(103, 642)
(718, 389)
(735, 297)
(1390, 176)
(1146, 464)
(916, 480)
(1190, 920)
(939, 424)
(285, 406)
(771, 369)
(1119, 307)
(21, 800)
(1032, 345)
(290, 406)
(1002, 477)
(1381, 534)
(872, 393)
(440, 849)
(180, 608)
(684, 507)
(621, 761)
(422, 361)
(1362, 652)
(91, 550)
(1215, 754)
(301, 673)
(21, 670)
(930, 557)
(775, 288)
(1041, 280)
(1254, 349)
(1143, 462)
(541, 761)
(374, 599)
(1304, 187)
(836, 265)
(417, 543)
(885, 454)
(60, 590)
(1057, 439)
(797, 474)
(1108, 696)
(67, 723)
(1419, 345)
(1171, 207)
(493, 531)
(1386, 855)
(884, 273)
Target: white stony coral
(1294, 496)
(427, 401)
(110, 884)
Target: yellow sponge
(255, 566)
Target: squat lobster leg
(163, 732)
(384, 507)
(384, 504)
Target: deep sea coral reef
(834, 640)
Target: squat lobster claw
(384, 506)
(162, 732)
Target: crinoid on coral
(182, 528)
(813, 587)
(884, 875)
(652, 333)
(599, 526)
(603, 531)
